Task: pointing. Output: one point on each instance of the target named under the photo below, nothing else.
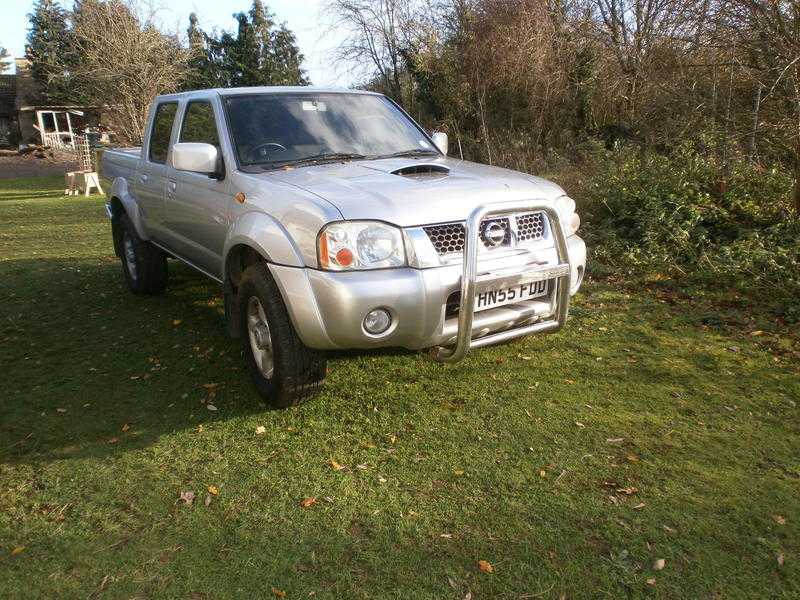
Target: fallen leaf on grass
(757, 333)
(308, 502)
(628, 491)
(780, 559)
(615, 440)
(651, 581)
(177, 322)
(261, 430)
(579, 424)
(187, 498)
(639, 506)
(61, 410)
(279, 593)
(125, 427)
(485, 566)
(208, 500)
(779, 519)
(210, 386)
(458, 472)
(17, 550)
(213, 490)
(211, 407)
(113, 440)
(659, 564)
(335, 465)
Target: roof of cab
(307, 89)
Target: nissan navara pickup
(334, 221)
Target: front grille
(530, 227)
(449, 237)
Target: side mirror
(195, 157)
(441, 141)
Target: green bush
(684, 216)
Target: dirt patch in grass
(55, 163)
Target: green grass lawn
(652, 427)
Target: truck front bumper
(328, 308)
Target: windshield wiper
(316, 158)
(410, 152)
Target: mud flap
(231, 310)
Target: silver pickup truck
(334, 221)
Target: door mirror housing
(442, 143)
(195, 157)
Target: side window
(162, 128)
(199, 125)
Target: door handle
(172, 186)
(143, 178)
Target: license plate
(510, 295)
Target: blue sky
(312, 27)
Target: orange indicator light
(344, 257)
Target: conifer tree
(51, 50)
(259, 53)
(5, 63)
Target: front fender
(120, 190)
(266, 236)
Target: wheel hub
(130, 256)
(260, 337)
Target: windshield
(274, 130)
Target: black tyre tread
(299, 370)
(151, 263)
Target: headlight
(570, 221)
(360, 245)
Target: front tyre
(144, 265)
(285, 371)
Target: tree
(768, 31)
(257, 54)
(51, 50)
(5, 63)
(377, 36)
(287, 61)
(125, 62)
(204, 58)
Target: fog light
(377, 321)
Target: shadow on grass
(91, 370)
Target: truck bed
(121, 162)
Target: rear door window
(162, 130)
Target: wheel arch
(263, 235)
(122, 201)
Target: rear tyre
(284, 370)
(144, 265)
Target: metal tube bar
(469, 276)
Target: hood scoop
(422, 171)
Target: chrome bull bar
(561, 273)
